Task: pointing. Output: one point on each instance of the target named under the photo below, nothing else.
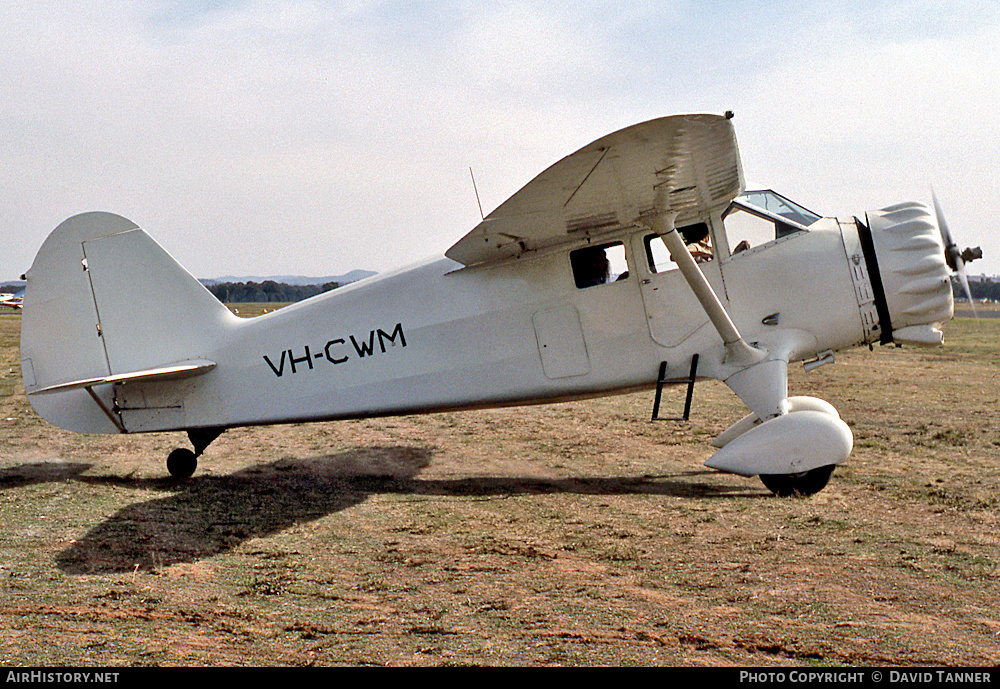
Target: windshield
(778, 205)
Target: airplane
(14, 301)
(583, 283)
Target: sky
(313, 138)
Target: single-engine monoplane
(638, 261)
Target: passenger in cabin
(591, 267)
(697, 241)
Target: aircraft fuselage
(440, 336)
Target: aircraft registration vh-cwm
(638, 261)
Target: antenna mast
(477, 193)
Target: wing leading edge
(689, 164)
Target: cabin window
(746, 230)
(598, 265)
(760, 217)
(697, 239)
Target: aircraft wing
(684, 163)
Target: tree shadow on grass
(209, 515)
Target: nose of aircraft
(909, 246)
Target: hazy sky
(316, 137)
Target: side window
(747, 230)
(598, 265)
(657, 255)
(696, 238)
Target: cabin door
(672, 310)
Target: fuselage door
(560, 342)
(672, 310)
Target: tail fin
(106, 303)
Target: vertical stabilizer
(103, 299)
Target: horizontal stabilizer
(183, 369)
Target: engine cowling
(910, 275)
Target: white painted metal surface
(117, 337)
(687, 164)
(793, 443)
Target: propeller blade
(951, 253)
(965, 285)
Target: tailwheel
(802, 483)
(181, 463)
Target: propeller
(956, 259)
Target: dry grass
(558, 535)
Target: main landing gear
(182, 462)
(802, 483)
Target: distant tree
(980, 289)
(268, 291)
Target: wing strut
(737, 350)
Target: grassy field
(568, 534)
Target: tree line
(268, 291)
(981, 289)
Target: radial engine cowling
(914, 275)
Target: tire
(181, 463)
(804, 483)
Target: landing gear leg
(182, 462)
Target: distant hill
(344, 279)
(13, 286)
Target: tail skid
(106, 305)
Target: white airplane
(581, 284)
(14, 301)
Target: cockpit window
(598, 265)
(776, 204)
(759, 217)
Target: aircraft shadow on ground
(40, 472)
(209, 515)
